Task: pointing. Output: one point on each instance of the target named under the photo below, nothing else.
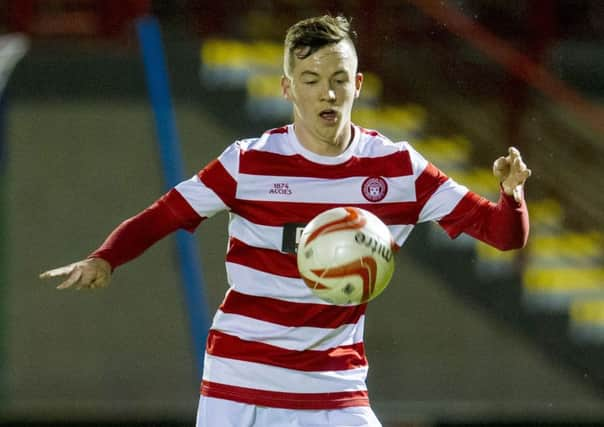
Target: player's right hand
(90, 273)
(512, 172)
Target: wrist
(101, 262)
(514, 195)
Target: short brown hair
(309, 35)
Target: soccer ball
(345, 256)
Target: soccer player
(276, 355)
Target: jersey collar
(326, 160)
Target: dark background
(447, 343)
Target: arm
(185, 206)
(129, 240)
(504, 225)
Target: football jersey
(272, 342)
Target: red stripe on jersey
(282, 129)
(369, 131)
(463, 215)
(340, 358)
(266, 260)
(275, 399)
(427, 183)
(278, 213)
(292, 314)
(255, 162)
(216, 177)
(181, 209)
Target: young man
(276, 355)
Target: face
(322, 88)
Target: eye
(310, 82)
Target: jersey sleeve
(213, 189)
(136, 234)
(504, 225)
(436, 194)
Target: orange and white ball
(346, 256)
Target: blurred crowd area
(475, 65)
(533, 27)
(557, 33)
(462, 80)
(522, 21)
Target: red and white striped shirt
(272, 342)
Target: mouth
(329, 115)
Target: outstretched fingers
(501, 168)
(72, 279)
(519, 173)
(90, 273)
(513, 153)
(512, 172)
(57, 272)
(520, 169)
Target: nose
(329, 94)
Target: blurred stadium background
(464, 335)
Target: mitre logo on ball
(345, 256)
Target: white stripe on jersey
(258, 283)
(277, 143)
(273, 378)
(316, 190)
(290, 338)
(202, 199)
(418, 162)
(259, 236)
(443, 201)
(230, 159)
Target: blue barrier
(149, 36)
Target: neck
(325, 146)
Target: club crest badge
(374, 188)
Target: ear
(286, 88)
(358, 83)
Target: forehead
(335, 56)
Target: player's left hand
(512, 173)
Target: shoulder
(273, 140)
(374, 144)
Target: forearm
(503, 225)
(135, 235)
